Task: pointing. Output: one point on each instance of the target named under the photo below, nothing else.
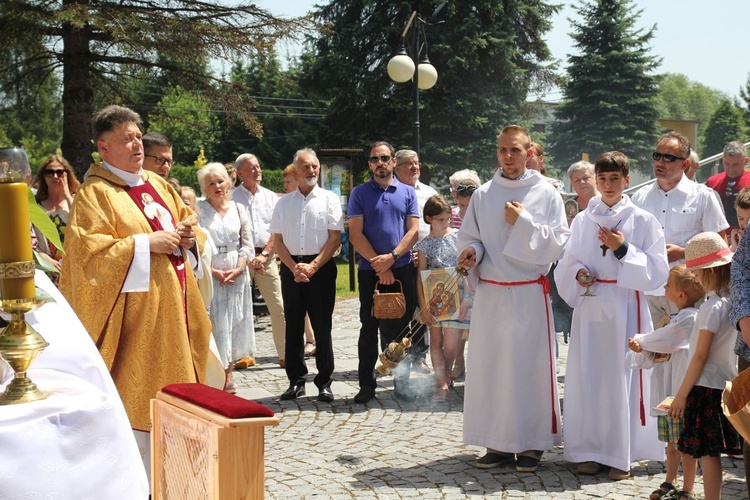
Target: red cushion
(218, 401)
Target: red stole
(160, 219)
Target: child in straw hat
(706, 432)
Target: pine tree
(488, 53)
(727, 124)
(610, 95)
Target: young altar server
(615, 251)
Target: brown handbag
(388, 305)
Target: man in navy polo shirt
(383, 227)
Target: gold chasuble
(147, 339)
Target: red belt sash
(640, 372)
(542, 280)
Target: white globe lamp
(427, 74)
(401, 67)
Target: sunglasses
(54, 173)
(465, 189)
(663, 156)
(160, 161)
(383, 158)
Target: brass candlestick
(19, 346)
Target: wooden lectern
(200, 454)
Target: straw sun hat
(706, 250)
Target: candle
(15, 238)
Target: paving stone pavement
(389, 449)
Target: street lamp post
(401, 67)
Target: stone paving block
(388, 449)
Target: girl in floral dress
(439, 250)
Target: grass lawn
(342, 281)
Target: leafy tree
(187, 119)
(489, 54)
(31, 110)
(290, 121)
(683, 99)
(96, 46)
(610, 96)
(727, 124)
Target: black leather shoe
(325, 394)
(295, 390)
(365, 394)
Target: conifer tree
(489, 55)
(609, 97)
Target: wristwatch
(264, 253)
(395, 255)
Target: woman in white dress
(231, 309)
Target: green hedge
(273, 180)
(188, 176)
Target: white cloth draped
(77, 443)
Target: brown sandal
(665, 488)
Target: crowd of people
(161, 279)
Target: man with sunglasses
(684, 208)
(383, 227)
(157, 154)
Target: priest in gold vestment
(129, 274)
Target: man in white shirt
(408, 170)
(306, 227)
(264, 271)
(683, 208)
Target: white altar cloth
(77, 443)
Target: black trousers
(315, 298)
(389, 329)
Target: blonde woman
(231, 308)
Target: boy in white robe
(623, 247)
(515, 227)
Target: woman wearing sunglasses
(56, 184)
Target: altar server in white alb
(515, 227)
(607, 422)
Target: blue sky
(706, 40)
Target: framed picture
(440, 287)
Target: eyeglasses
(465, 189)
(161, 161)
(382, 158)
(54, 173)
(666, 157)
(410, 163)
